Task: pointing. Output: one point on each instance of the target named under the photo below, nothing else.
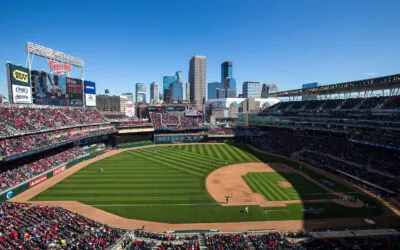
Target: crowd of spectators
(165, 237)
(273, 240)
(22, 120)
(225, 241)
(15, 176)
(382, 102)
(26, 226)
(334, 166)
(379, 165)
(175, 121)
(370, 243)
(141, 239)
(20, 144)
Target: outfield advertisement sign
(90, 93)
(59, 170)
(193, 112)
(38, 180)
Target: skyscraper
(197, 79)
(187, 91)
(167, 81)
(251, 89)
(264, 91)
(226, 70)
(154, 97)
(220, 93)
(176, 90)
(140, 93)
(212, 89)
(231, 93)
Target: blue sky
(283, 42)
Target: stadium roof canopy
(379, 83)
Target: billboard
(90, 93)
(18, 75)
(39, 84)
(56, 90)
(21, 94)
(19, 86)
(193, 112)
(74, 91)
(50, 89)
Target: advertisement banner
(21, 94)
(59, 170)
(38, 180)
(90, 87)
(39, 84)
(193, 112)
(90, 100)
(19, 75)
(75, 91)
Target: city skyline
(295, 42)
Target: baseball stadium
(301, 170)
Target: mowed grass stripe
(127, 185)
(129, 179)
(269, 189)
(272, 186)
(259, 188)
(245, 156)
(214, 148)
(172, 164)
(202, 160)
(197, 163)
(233, 154)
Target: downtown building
(251, 89)
(173, 87)
(140, 93)
(212, 89)
(228, 80)
(197, 79)
(154, 95)
(124, 99)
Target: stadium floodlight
(39, 50)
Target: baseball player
(246, 209)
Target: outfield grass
(167, 184)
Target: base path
(117, 221)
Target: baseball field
(171, 184)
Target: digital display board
(74, 92)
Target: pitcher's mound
(284, 184)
